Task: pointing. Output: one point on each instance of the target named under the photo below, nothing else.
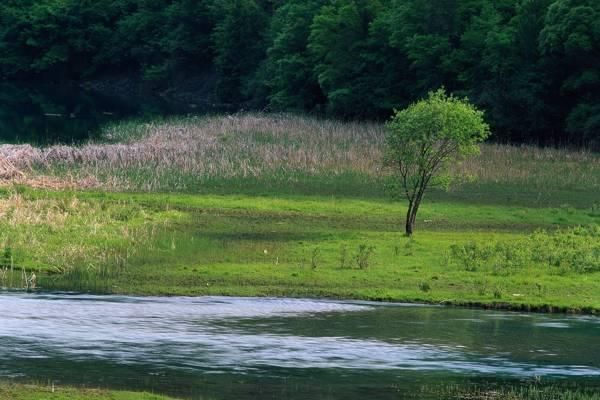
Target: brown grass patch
(7, 170)
(264, 145)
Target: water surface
(215, 347)
(53, 114)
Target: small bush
(469, 255)
(363, 256)
(510, 257)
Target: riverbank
(168, 244)
(291, 206)
(13, 391)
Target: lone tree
(424, 139)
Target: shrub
(363, 256)
(569, 250)
(469, 255)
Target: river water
(52, 114)
(212, 347)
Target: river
(53, 114)
(244, 348)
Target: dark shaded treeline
(533, 65)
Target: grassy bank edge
(19, 391)
(320, 206)
(516, 306)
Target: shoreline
(10, 390)
(475, 305)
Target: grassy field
(10, 391)
(520, 392)
(288, 206)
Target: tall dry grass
(163, 155)
(536, 166)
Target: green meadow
(33, 392)
(257, 205)
(521, 392)
(258, 215)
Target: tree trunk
(409, 220)
(409, 228)
(411, 216)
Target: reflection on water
(68, 114)
(206, 345)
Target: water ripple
(186, 333)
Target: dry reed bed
(255, 145)
(8, 170)
(536, 166)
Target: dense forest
(533, 65)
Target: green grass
(525, 391)
(180, 244)
(11, 391)
(279, 205)
(521, 392)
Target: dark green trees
(238, 44)
(570, 40)
(288, 71)
(533, 65)
(339, 43)
(57, 39)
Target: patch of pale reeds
(7, 170)
(534, 166)
(263, 145)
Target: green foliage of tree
(384, 83)
(238, 44)
(339, 37)
(571, 41)
(160, 36)
(533, 65)
(288, 71)
(425, 139)
(500, 69)
(187, 38)
(427, 32)
(137, 39)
